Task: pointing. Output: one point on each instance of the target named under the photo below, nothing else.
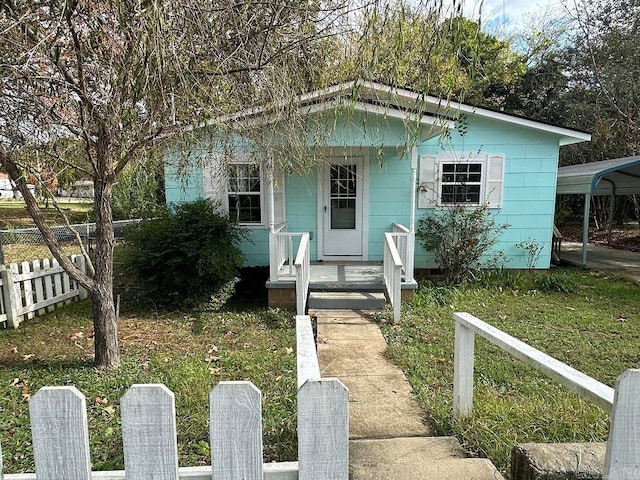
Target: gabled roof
(404, 98)
(376, 98)
(620, 176)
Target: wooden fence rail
(622, 460)
(33, 288)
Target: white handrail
(622, 459)
(303, 266)
(392, 264)
(467, 325)
(405, 242)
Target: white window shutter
(428, 182)
(495, 180)
(214, 181)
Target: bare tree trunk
(106, 350)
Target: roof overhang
(620, 176)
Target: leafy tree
(113, 77)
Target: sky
(506, 15)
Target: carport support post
(611, 212)
(585, 228)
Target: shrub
(185, 255)
(458, 236)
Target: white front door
(343, 186)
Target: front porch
(293, 277)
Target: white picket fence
(622, 461)
(33, 288)
(61, 440)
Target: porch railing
(405, 243)
(392, 273)
(622, 460)
(303, 266)
(278, 252)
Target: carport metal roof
(620, 176)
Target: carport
(620, 176)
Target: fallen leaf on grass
(214, 370)
(29, 356)
(212, 358)
(212, 349)
(101, 401)
(110, 410)
(289, 350)
(15, 382)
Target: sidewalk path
(389, 438)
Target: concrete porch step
(416, 458)
(346, 300)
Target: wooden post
(323, 430)
(149, 432)
(463, 370)
(236, 431)
(622, 460)
(60, 434)
(10, 302)
(585, 228)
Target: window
(454, 178)
(244, 190)
(460, 183)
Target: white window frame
(441, 183)
(260, 194)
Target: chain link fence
(26, 244)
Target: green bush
(185, 255)
(459, 236)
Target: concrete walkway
(390, 439)
(604, 259)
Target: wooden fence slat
(57, 282)
(66, 286)
(81, 263)
(622, 461)
(149, 432)
(48, 283)
(8, 292)
(323, 430)
(236, 431)
(59, 433)
(39, 285)
(27, 287)
(17, 295)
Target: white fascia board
(379, 110)
(567, 136)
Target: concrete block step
(416, 458)
(347, 300)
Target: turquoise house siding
(528, 195)
(528, 202)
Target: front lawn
(188, 352)
(595, 330)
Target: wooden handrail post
(622, 460)
(463, 371)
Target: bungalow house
(391, 155)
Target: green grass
(596, 329)
(188, 352)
